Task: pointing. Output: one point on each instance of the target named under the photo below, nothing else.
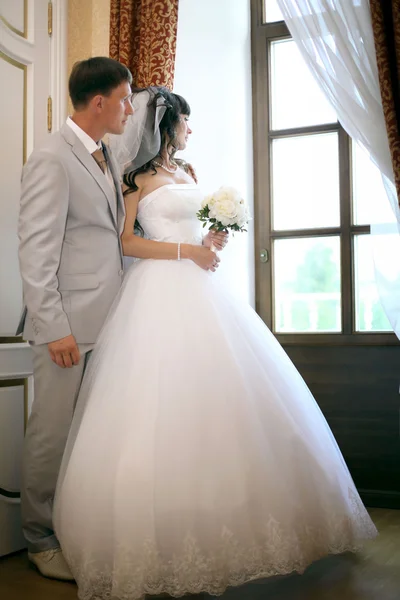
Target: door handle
(10, 497)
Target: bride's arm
(218, 239)
(135, 245)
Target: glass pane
(370, 315)
(272, 11)
(307, 285)
(296, 100)
(370, 203)
(305, 182)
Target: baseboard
(380, 498)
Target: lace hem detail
(277, 551)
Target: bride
(198, 458)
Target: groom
(71, 217)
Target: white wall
(213, 72)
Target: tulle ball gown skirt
(198, 458)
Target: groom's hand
(64, 352)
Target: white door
(32, 70)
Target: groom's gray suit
(71, 262)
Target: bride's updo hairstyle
(175, 106)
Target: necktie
(100, 159)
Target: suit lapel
(90, 164)
(118, 186)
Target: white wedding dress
(198, 458)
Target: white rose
(224, 207)
(208, 201)
(226, 202)
(242, 216)
(227, 191)
(225, 221)
(242, 221)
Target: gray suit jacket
(70, 250)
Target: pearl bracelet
(179, 251)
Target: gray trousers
(55, 394)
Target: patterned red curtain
(385, 15)
(143, 37)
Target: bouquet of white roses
(223, 210)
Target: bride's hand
(218, 239)
(204, 258)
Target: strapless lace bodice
(169, 214)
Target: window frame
(262, 34)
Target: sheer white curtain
(336, 40)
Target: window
(315, 195)
(272, 12)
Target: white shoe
(51, 563)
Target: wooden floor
(374, 574)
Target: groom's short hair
(97, 75)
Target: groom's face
(116, 108)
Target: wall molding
(58, 63)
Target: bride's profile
(198, 458)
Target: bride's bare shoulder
(142, 180)
(134, 185)
(151, 181)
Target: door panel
(24, 71)
(32, 68)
